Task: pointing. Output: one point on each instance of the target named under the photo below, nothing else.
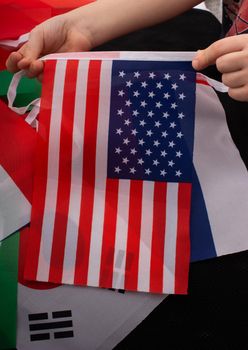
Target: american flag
(112, 188)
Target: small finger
(13, 60)
(33, 48)
(239, 94)
(40, 77)
(232, 62)
(208, 56)
(24, 63)
(35, 69)
(234, 79)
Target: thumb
(208, 56)
(203, 59)
(32, 50)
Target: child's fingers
(28, 54)
(239, 94)
(235, 79)
(232, 62)
(35, 69)
(13, 60)
(40, 77)
(34, 47)
(207, 57)
(24, 63)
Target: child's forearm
(108, 19)
(89, 26)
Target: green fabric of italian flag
(28, 89)
(8, 291)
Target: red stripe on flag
(89, 167)
(23, 244)
(41, 167)
(183, 239)
(202, 82)
(158, 238)
(133, 240)
(64, 177)
(109, 231)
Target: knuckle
(245, 94)
(225, 79)
(244, 57)
(221, 64)
(239, 94)
(233, 94)
(32, 69)
(244, 38)
(213, 52)
(216, 47)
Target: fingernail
(195, 64)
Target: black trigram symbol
(44, 327)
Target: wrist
(80, 21)
(96, 23)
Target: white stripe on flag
(52, 176)
(121, 234)
(170, 238)
(76, 174)
(123, 55)
(222, 174)
(146, 236)
(101, 174)
(15, 209)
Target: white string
(11, 95)
(217, 85)
(12, 44)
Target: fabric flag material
(17, 141)
(112, 189)
(66, 317)
(219, 218)
(225, 171)
(28, 89)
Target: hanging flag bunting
(112, 193)
(220, 182)
(207, 239)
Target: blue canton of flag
(151, 121)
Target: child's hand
(53, 35)
(231, 58)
